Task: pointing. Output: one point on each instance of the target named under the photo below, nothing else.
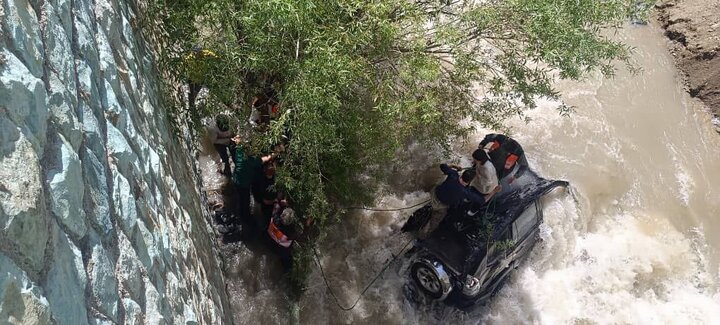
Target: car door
(524, 230)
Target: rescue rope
(332, 293)
(390, 209)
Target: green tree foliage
(357, 79)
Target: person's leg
(439, 210)
(244, 205)
(286, 258)
(222, 151)
(435, 218)
(194, 90)
(266, 213)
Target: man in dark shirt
(264, 193)
(449, 194)
(506, 154)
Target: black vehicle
(472, 252)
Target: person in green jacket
(248, 167)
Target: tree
(358, 78)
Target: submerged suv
(473, 250)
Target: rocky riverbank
(694, 28)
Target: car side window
(525, 223)
(495, 252)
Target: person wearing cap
(486, 180)
(506, 154)
(220, 136)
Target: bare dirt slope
(694, 28)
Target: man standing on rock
(247, 168)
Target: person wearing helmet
(506, 154)
(284, 229)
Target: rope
(332, 293)
(391, 209)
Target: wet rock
(20, 300)
(66, 282)
(66, 187)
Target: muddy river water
(639, 243)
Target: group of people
(253, 178)
(497, 159)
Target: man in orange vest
(284, 230)
(506, 154)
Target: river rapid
(638, 243)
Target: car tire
(427, 280)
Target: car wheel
(429, 281)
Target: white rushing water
(640, 244)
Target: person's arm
(489, 196)
(269, 157)
(490, 138)
(213, 134)
(520, 168)
(474, 196)
(447, 170)
(223, 138)
(455, 167)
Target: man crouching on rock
(450, 194)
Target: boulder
(103, 285)
(66, 282)
(23, 217)
(124, 205)
(21, 301)
(23, 29)
(23, 97)
(66, 188)
(133, 312)
(97, 200)
(128, 269)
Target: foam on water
(631, 268)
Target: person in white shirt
(486, 180)
(220, 136)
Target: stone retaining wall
(100, 216)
